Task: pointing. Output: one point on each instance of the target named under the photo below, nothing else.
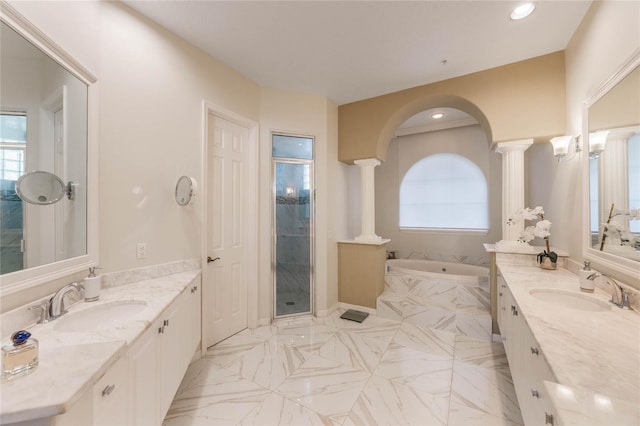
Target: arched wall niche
(517, 101)
(419, 105)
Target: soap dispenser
(92, 285)
(586, 284)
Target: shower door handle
(209, 259)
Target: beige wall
(152, 85)
(403, 153)
(517, 101)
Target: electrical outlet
(141, 251)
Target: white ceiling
(354, 50)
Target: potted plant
(542, 229)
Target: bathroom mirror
(612, 129)
(48, 201)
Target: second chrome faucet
(619, 297)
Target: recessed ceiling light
(523, 11)
(437, 115)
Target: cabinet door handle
(160, 330)
(500, 293)
(107, 390)
(535, 393)
(548, 418)
(166, 323)
(535, 351)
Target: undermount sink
(570, 300)
(108, 315)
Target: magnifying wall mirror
(46, 226)
(612, 126)
(42, 188)
(185, 190)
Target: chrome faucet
(619, 297)
(56, 303)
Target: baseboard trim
(263, 321)
(326, 312)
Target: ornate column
(367, 201)
(512, 190)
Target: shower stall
(293, 225)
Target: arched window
(444, 191)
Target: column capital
(367, 162)
(514, 146)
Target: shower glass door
(293, 225)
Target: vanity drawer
(111, 395)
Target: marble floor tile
(384, 402)
(486, 354)
(389, 308)
(269, 363)
(361, 349)
(485, 390)
(325, 386)
(278, 410)
(306, 336)
(231, 349)
(473, 296)
(426, 339)
(210, 395)
(426, 358)
(463, 415)
(473, 325)
(419, 370)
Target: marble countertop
(579, 407)
(70, 363)
(594, 351)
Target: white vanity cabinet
(196, 316)
(175, 349)
(144, 365)
(111, 395)
(526, 361)
(158, 361)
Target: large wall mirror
(47, 158)
(612, 123)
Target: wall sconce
(597, 142)
(561, 145)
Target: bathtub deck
(440, 303)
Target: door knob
(209, 259)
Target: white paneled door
(225, 290)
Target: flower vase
(547, 263)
